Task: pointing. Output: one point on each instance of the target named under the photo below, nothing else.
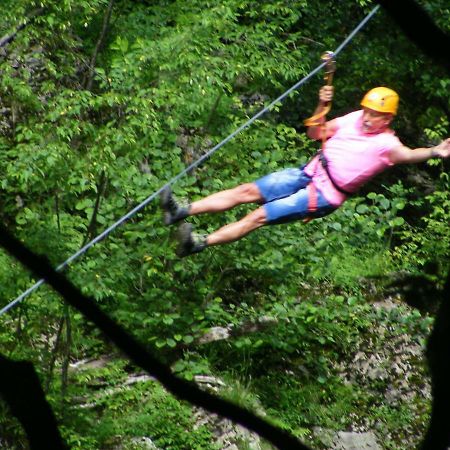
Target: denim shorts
(286, 197)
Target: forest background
(102, 102)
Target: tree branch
(101, 186)
(21, 389)
(54, 353)
(91, 72)
(139, 354)
(420, 28)
(5, 40)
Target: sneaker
(188, 242)
(173, 212)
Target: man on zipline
(359, 145)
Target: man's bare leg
(224, 200)
(237, 230)
(220, 201)
(189, 243)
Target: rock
(222, 333)
(144, 443)
(326, 437)
(344, 440)
(355, 441)
(137, 443)
(228, 435)
(86, 364)
(214, 334)
(209, 381)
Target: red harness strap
(320, 120)
(312, 200)
(312, 197)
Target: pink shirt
(354, 157)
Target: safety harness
(314, 121)
(324, 163)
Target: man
(359, 146)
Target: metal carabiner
(330, 66)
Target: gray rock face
(347, 440)
(355, 441)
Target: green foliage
(109, 412)
(428, 241)
(81, 148)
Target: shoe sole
(184, 236)
(164, 198)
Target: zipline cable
(196, 163)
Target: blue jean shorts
(286, 197)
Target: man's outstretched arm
(405, 155)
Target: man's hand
(441, 150)
(326, 94)
(405, 155)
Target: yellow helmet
(381, 99)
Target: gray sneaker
(188, 242)
(173, 212)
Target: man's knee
(248, 192)
(257, 218)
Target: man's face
(375, 122)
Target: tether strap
(315, 121)
(319, 120)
